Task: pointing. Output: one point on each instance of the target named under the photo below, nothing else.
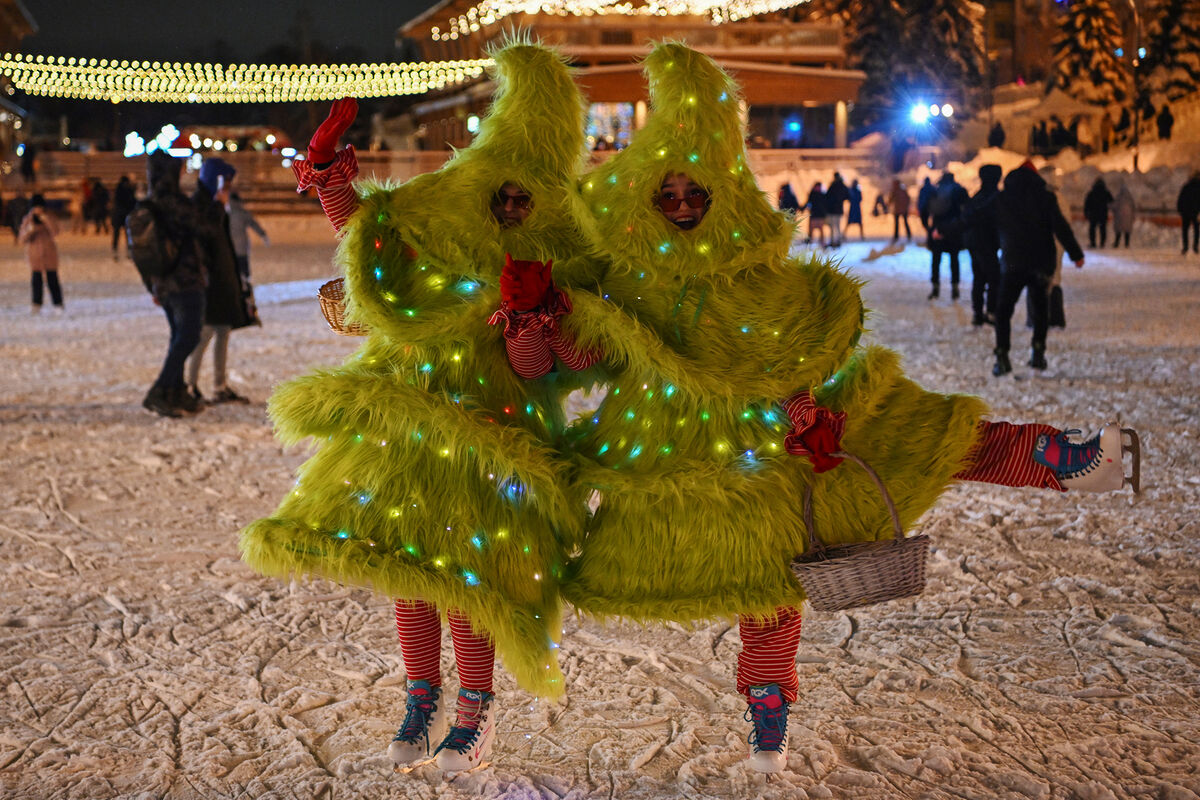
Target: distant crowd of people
(1052, 136)
(826, 209)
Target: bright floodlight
(919, 114)
(934, 109)
(947, 110)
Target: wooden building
(15, 24)
(793, 75)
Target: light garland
(488, 12)
(174, 82)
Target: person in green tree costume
(435, 479)
(729, 359)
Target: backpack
(153, 251)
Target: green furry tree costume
(701, 511)
(436, 475)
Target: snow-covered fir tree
(943, 50)
(1085, 61)
(1171, 68)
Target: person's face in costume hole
(682, 200)
(511, 205)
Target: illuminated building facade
(793, 75)
(15, 24)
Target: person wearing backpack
(175, 277)
(946, 231)
(229, 300)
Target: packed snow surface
(1053, 654)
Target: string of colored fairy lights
(488, 12)
(174, 82)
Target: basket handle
(816, 544)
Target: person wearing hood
(1123, 212)
(181, 291)
(1028, 221)
(983, 241)
(229, 302)
(1188, 206)
(1095, 209)
(946, 231)
(836, 197)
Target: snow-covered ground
(1053, 655)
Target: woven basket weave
(333, 305)
(861, 573)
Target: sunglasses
(519, 201)
(693, 199)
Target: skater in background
(124, 199)
(1029, 221)
(37, 233)
(241, 222)
(945, 232)
(815, 205)
(855, 214)
(1095, 210)
(14, 213)
(836, 197)
(1124, 210)
(982, 240)
(924, 198)
(229, 303)
(787, 200)
(1188, 206)
(899, 203)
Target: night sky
(180, 30)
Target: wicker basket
(861, 573)
(333, 305)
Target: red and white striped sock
(474, 654)
(1004, 456)
(768, 653)
(420, 632)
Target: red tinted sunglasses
(694, 199)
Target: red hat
(1027, 164)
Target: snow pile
(1052, 655)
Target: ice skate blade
(1134, 448)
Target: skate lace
(420, 711)
(465, 730)
(1077, 459)
(770, 726)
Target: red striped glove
(816, 431)
(323, 145)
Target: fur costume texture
(701, 510)
(436, 475)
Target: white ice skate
(469, 742)
(768, 712)
(424, 721)
(1097, 465)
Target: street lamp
(1137, 93)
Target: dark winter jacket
(178, 217)
(1029, 220)
(835, 198)
(124, 199)
(854, 195)
(788, 200)
(946, 213)
(979, 215)
(1188, 204)
(816, 203)
(1096, 203)
(924, 198)
(227, 300)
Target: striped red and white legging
(1003, 456)
(420, 630)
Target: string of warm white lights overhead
(164, 82)
(488, 12)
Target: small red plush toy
(524, 284)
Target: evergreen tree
(878, 29)
(943, 50)
(1085, 61)
(1172, 64)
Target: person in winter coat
(1123, 212)
(816, 214)
(241, 222)
(37, 233)
(924, 198)
(945, 231)
(229, 301)
(1188, 206)
(836, 197)
(983, 241)
(1165, 121)
(124, 199)
(180, 291)
(1095, 210)
(1028, 220)
(898, 201)
(855, 217)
